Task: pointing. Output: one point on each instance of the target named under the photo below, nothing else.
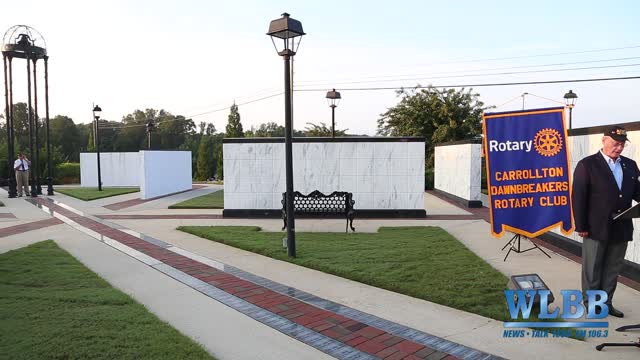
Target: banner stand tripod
(514, 244)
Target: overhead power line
(411, 76)
(477, 85)
(490, 74)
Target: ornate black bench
(336, 204)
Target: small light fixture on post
(570, 99)
(150, 128)
(96, 137)
(333, 98)
(285, 31)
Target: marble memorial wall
(116, 169)
(157, 173)
(381, 175)
(457, 170)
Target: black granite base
(360, 214)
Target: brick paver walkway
(369, 341)
(133, 202)
(34, 225)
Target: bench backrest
(317, 203)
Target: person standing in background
(21, 165)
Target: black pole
(46, 103)
(288, 152)
(333, 120)
(570, 113)
(11, 180)
(34, 187)
(149, 140)
(97, 139)
(36, 123)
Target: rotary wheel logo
(548, 142)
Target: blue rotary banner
(527, 171)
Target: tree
(321, 130)
(64, 134)
(204, 159)
(437, 115)
(234, 127)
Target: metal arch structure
(24, 42)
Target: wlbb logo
(521, 302)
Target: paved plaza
(241, 305)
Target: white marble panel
(264, 201)
(246, 169)
(332, 150)
(264, 151)
(330, 184)
(399, 184)
(364, 201)
(265, 186)
(278, 151)
(415, 185)
(382, 150)
(400, 150)
(399, 201)
(315, 151)
(246, 151)
(365, 184)
(348, 184)
(399, 166)
(416, 150)
(415, 201)
(264, 169)
(364, 150)
(382, 200)
(299, 150)
(348, 166)
(348, 150)
(330, 167)
(382, 167)
(416, 167)
(364, 166)
(381, 184)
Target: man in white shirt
(21, 165)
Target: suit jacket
(596, 198)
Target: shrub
(67, 173)
(428, 179)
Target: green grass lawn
(214, 200)
(93, 193)
(53, 307)
(423, 262)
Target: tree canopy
(438, 115)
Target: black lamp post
(284, 31)
(24, 42)
(333, 98)
(570, 101)
(150, 128)
(96, 137)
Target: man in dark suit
(604, 185)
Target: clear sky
(195, 56)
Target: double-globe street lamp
(333, 98)
(96, 138)
(570, 101)
(286, 34)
